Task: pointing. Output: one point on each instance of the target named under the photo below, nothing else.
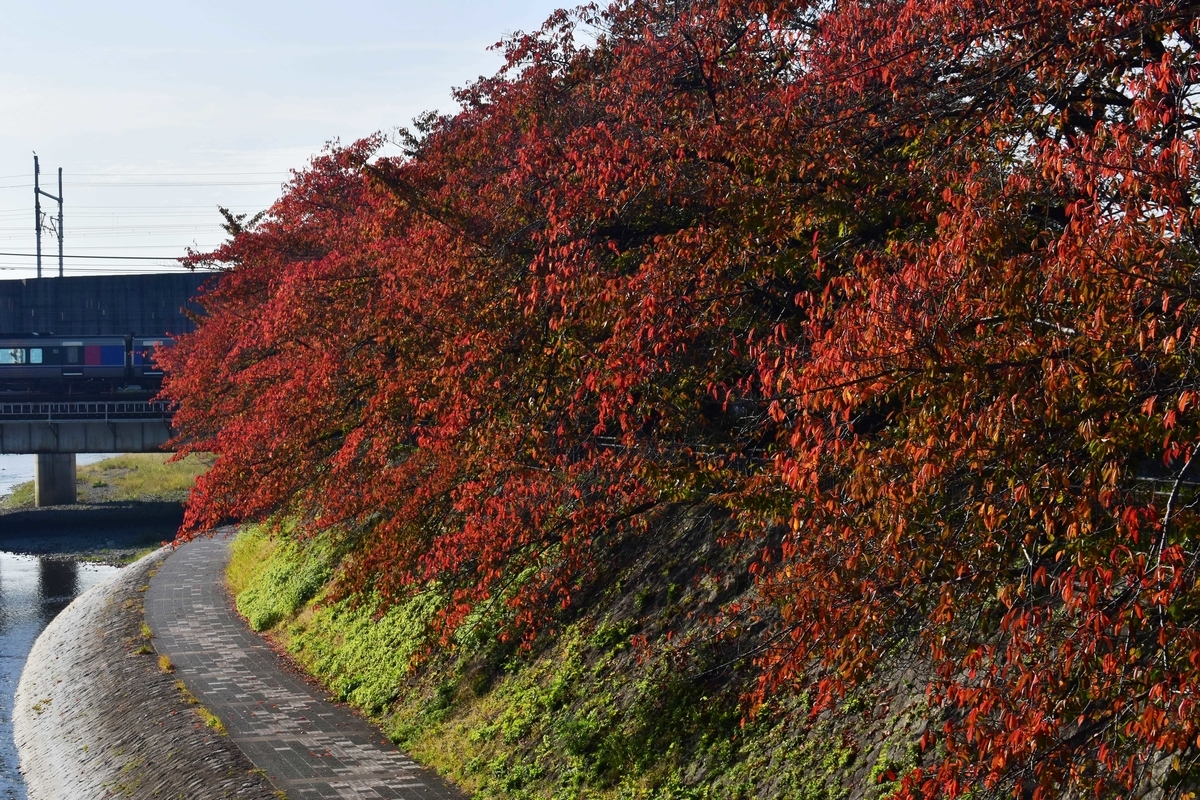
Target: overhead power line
(122, 175)
(142, 247)
(119, 184)
(175, 183)
(118, 258)
(105, 270)
(283, 173)
(199, 208)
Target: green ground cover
(130, 477)
(589, 712)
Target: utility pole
(37, 214)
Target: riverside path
(307, 746)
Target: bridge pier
(54, 479)
(56, 431)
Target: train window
(72, 355)
(35, 355)
(12, 355)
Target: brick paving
(308, 746)
(94, 717)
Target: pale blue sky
(139, 102)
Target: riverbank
(33, 591)
(128, 477)
(635, 694)
(127, 503)
(18, 468)
(48, 556)
(98, 715)
(112, 533)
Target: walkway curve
(308, 746)
(94, 717)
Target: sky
(158, 112)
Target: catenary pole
(38, 192)
(60, 224)
(37, 213)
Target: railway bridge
(55, 425)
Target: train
(80, 366)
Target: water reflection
(58, 583)
(33, 590)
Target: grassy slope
(130, 477)
(588, 714)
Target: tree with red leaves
(908, 287)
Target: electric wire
(147, 183)
(90, 256)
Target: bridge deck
(84, 426)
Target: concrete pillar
(54, 479)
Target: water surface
(33, 589)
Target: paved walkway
(308, 746)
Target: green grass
(208, 718)
(374, 652)
(586, 715)
(292, 575)
(250, 554)
(130, 477)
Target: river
(33, 589)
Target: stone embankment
(121, 692)
(96, 715)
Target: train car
(142, 361)
(93, 358)
(48, 364)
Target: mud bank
(105, 531)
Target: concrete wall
(101, 305)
